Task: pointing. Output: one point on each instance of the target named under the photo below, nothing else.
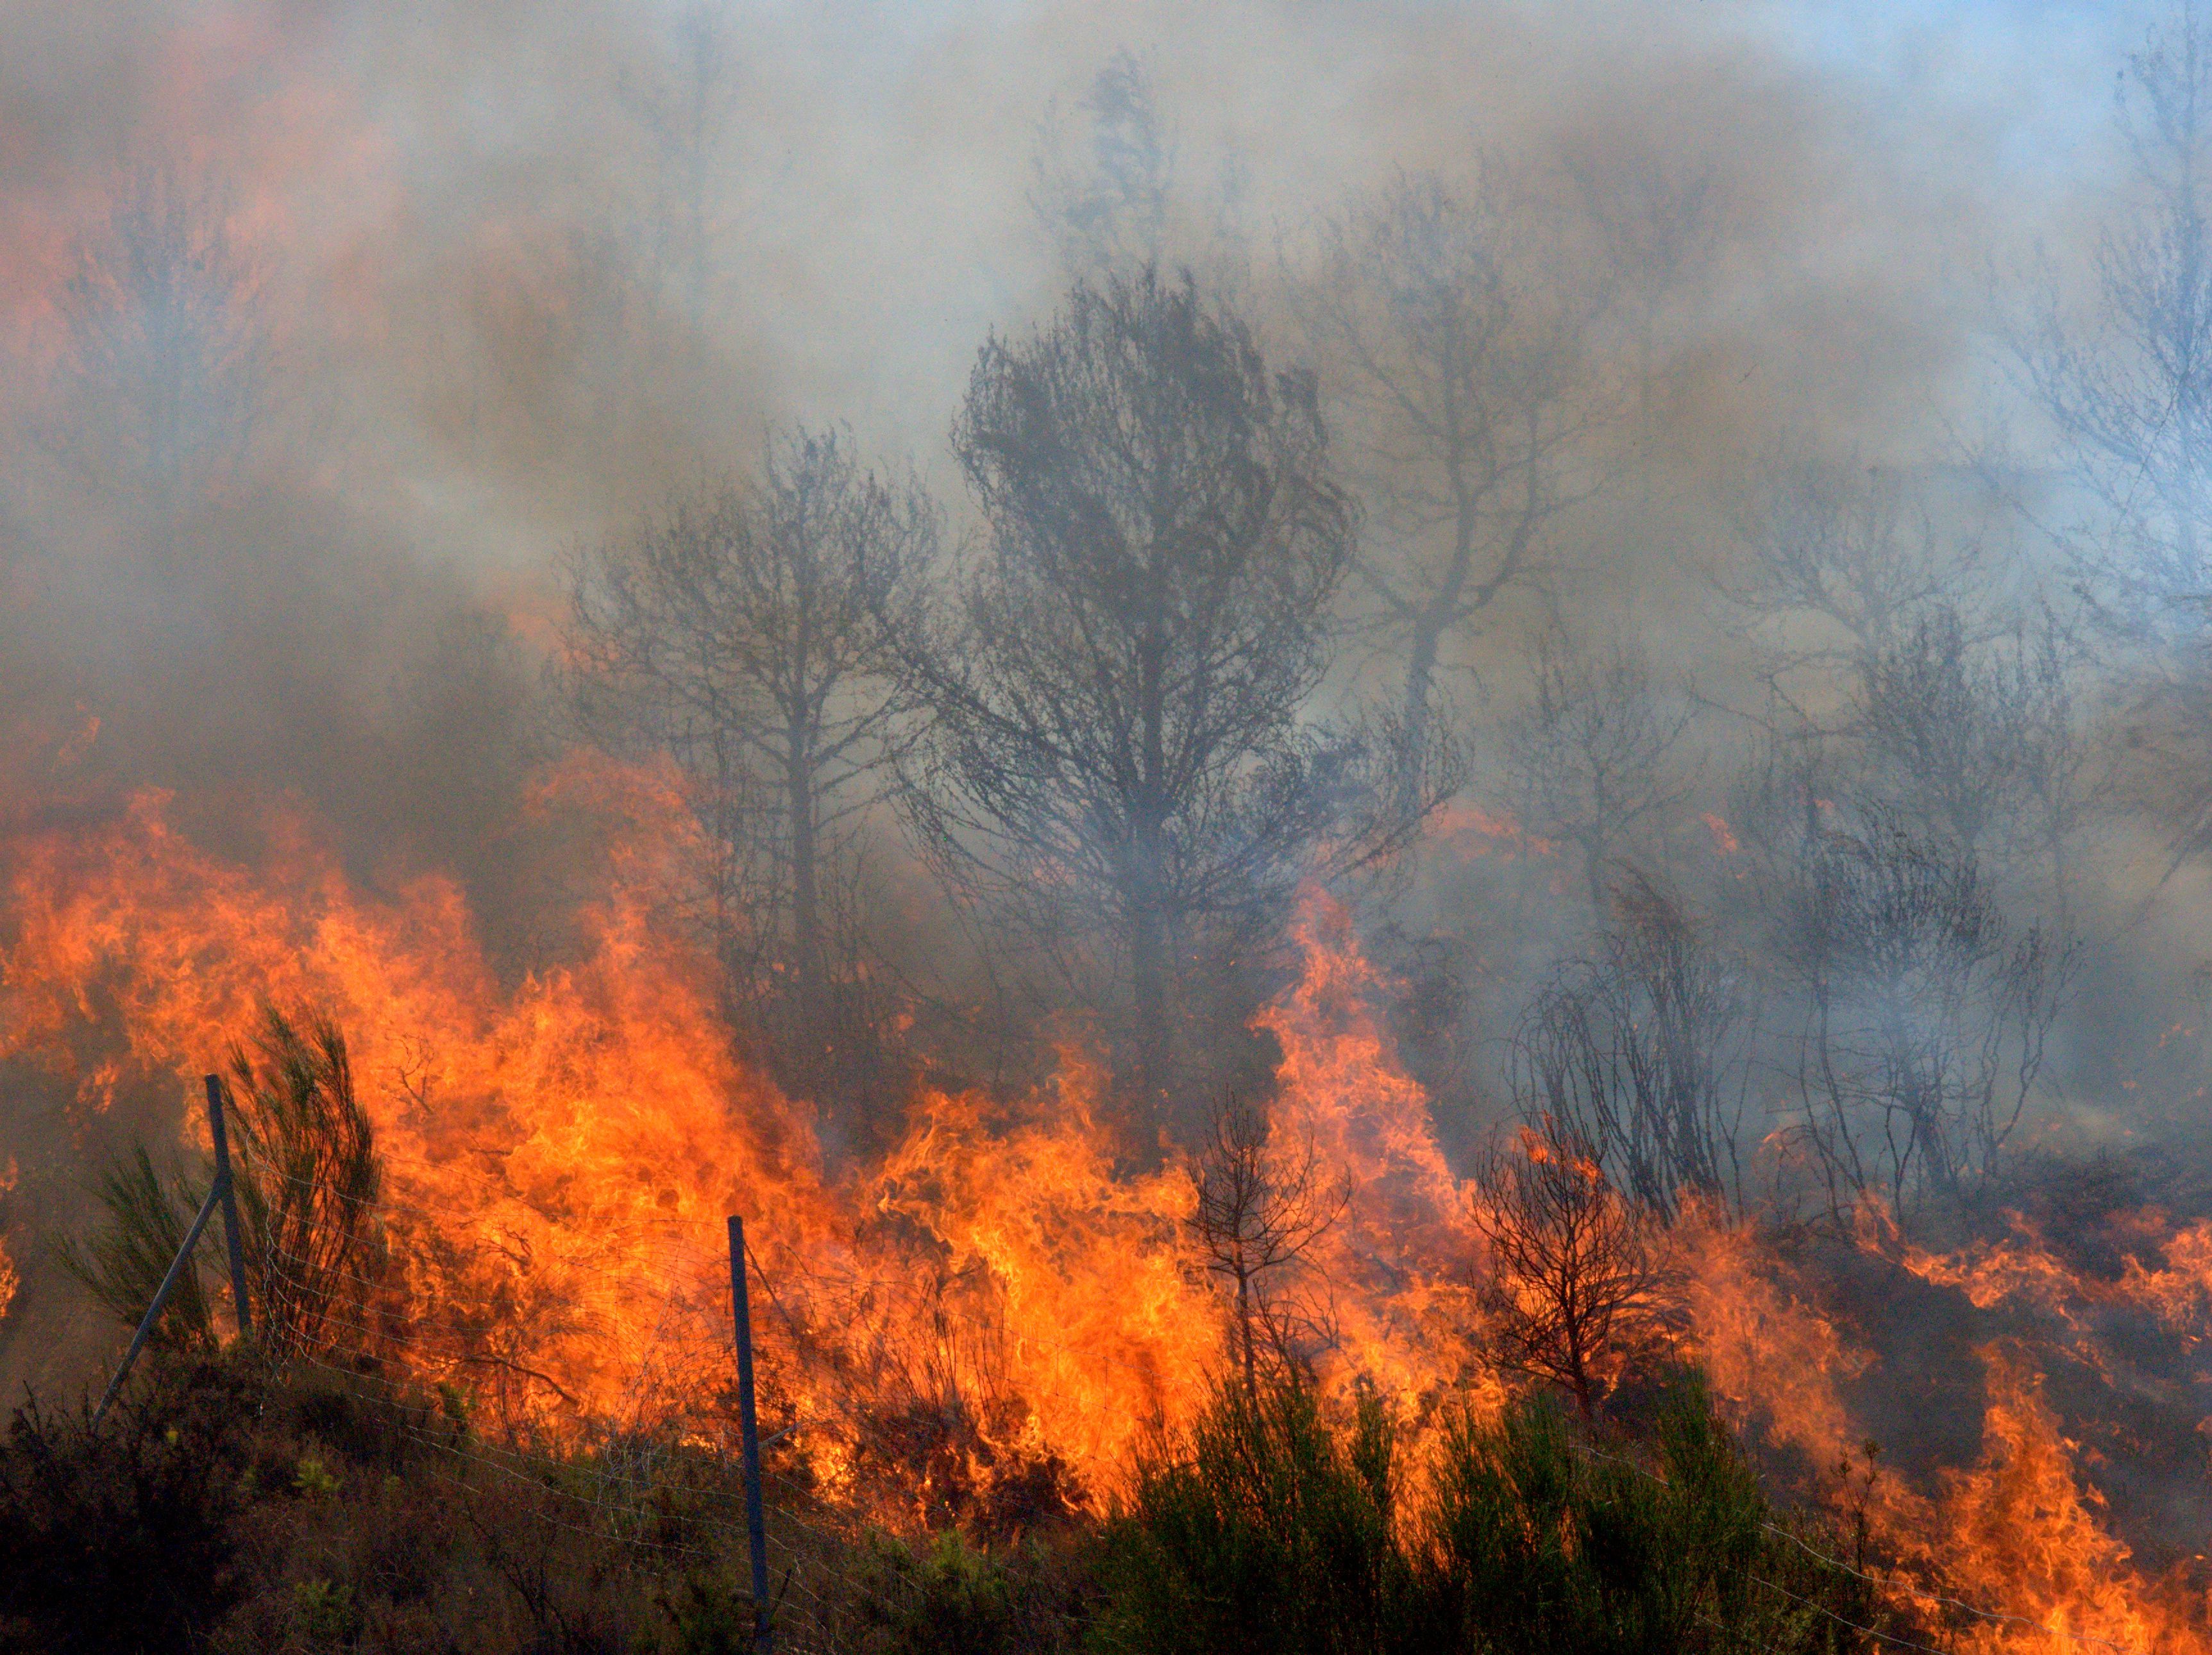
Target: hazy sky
(436, 191)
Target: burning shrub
(1574, 1277)
(307, 1177)
(122, 1265)
(959, 1467)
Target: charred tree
(1857, 551)
(1115, 747)
(1573, 1278)
(684, 112)
(1644, 1054)
(1976, 741)
(1593, 754)
(167, 366)
(1105, 180)
(743, 635)
(2127, 383)
(1926, 1014)
(1456, 354)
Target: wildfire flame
(561, 1150)
(1474, 831)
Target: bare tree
(1454, 344)
(1104, 190)
(1893, 671)
(1593, 753)
(1975, 743)
(167, 362)
(743, 635)
(1926, 1018)
(1832, 563)
(1899, 668)
(684, 112)
(1658, 220)
(2126, 381)
(1573, 1277)
(1837, 560)
(1644, 1054)
(2128, 386)
(1116, 745)
(1257, 1214)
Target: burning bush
(1574, 1275)
(307, 1176)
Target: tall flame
(561, 1151)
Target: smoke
(452, 292)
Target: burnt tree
(1117, 749)
(1455, 346)
(1593, 753)
(1644, 1054)
(168, 364)
(744, 633)
(1925, 1014)
(1573, 1279)
(2126, 382)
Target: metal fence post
(749, 1431)
(161, 1297)
(231, 1234)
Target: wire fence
(627, 1436)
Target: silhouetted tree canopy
(743, 634)
(1117, 744)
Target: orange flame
(1474, 831)
(561, 1151)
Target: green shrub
(1268, 1529)
(946, 1597)
(323, 1614)
(708, 1616)
(1535, 1540)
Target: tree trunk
(1420, 675)
(1148, 983)
(1148, 961)
(1244, 1333)
(807, 952)
(1578, 1374)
